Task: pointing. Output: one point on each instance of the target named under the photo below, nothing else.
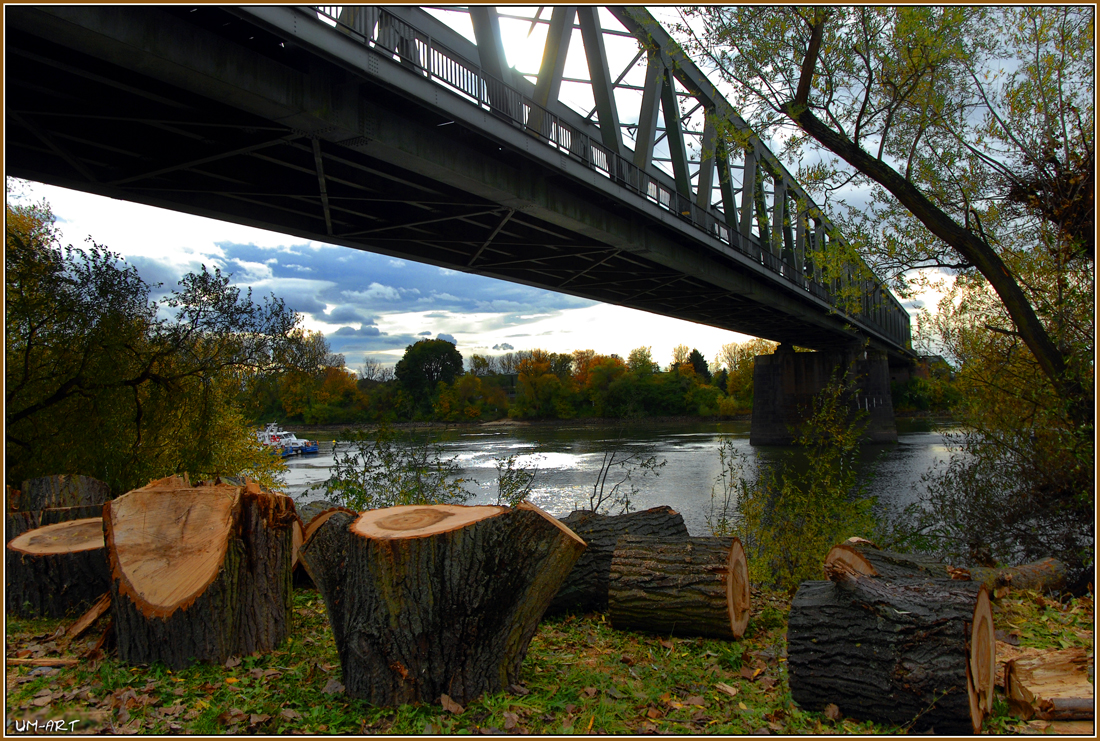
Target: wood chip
(88, 619)
(723, 687)
(42, 662)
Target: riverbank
(333, 431)
(320, 431)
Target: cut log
(585, 588)
(864, 557)
(690, 586)
(199, 573)
(57, 570)
(1051, 685)
(49, 492)
(917, 653)
(426, 601)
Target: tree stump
(585, 588)
(56, 570)
(863, 557)
(690, 586)
(49, 492)
(918, 653)
(198, 573)
(432, 600)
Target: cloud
(503, 346)
(366, 331)
(447, 337)
(346, 314)
(425, 334)
(375, 291)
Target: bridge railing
(405, 44)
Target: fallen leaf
(628, 660)
(654, 713)
(695, 700)
(290, 714)
(615, 693)
(231, 680)
(723, 687)
(173, 710)
(232, 661)
(450, 705)
(746, 673)
(570, 708)
(256, 719)
(510, 720)
(333, 686)
(742, 705)
(666, 644)
(43, 701)
(518, 689)
(832, 712)
(589, 692)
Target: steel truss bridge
(387, 130)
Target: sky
(367, 304)
(374, 306)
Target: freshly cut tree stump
(49, 492)
(199, 573)
(433, 600)
(915, 652)
(585, 588)
(56, 570)
(864, 558)
(690, 586)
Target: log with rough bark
(690, 586)
(426, 601)
(49, 492)
(56, 570)
(919, 653)
(199, 573)
(864, 557)
(585, 588)
(302, 577)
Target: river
(569, 457)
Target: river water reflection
(568, 458)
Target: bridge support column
(785, 383)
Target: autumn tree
(680, 354)
(973, 130)
(102, 380)
(946, 113)
(425, 364)
(640, 360)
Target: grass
(580, 676)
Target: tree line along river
(569, 456)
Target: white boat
(284, 443)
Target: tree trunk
(918, 653)
(48, 492)
(1049, 574)
(432, 600)
(585, 588)
(303, 578)
(56, 571)
(199, 573)
(690, 586)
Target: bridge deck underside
(80, 122)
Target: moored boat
(284, 443)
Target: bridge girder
(308, 131)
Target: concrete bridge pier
(786, 382)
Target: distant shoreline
(508, 423)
